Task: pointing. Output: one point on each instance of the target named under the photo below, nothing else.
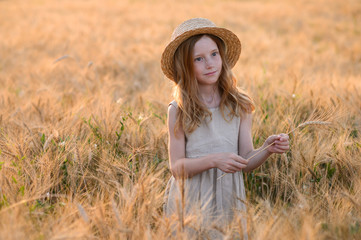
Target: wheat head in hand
(299, 126)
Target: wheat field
(83, 108)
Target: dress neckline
(213, 108)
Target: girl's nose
(209, 63)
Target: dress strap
(173, 103)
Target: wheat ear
(299, 126)
(309, 123)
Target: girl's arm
(246, 149)
(181, 166)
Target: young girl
(209, 125)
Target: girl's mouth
(210, 73)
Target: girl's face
(207, 62)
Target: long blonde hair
(191, 111)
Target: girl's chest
(217, 135)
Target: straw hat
(197, 26)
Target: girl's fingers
(271, 139)
(280, 137)
(280, 141)
(234, 169)
(283, 136)
(276, 151)
(238, 165)
(241, 166)
(241, 160)
(282, 145)
(280, 149)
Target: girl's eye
(214, 53)
(198, 59)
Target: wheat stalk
(299, 126)
(309, 123)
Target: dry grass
(83, 105)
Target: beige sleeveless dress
(206, 198)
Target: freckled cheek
(197, 70)
(219, 63)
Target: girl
(209, 125)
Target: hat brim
(232, 43)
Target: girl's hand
(230, 162)
(281, 143)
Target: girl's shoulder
(173, 103)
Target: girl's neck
(209, 95)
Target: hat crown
(192, 24)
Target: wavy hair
(191, 111)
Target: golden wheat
(83, 111)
